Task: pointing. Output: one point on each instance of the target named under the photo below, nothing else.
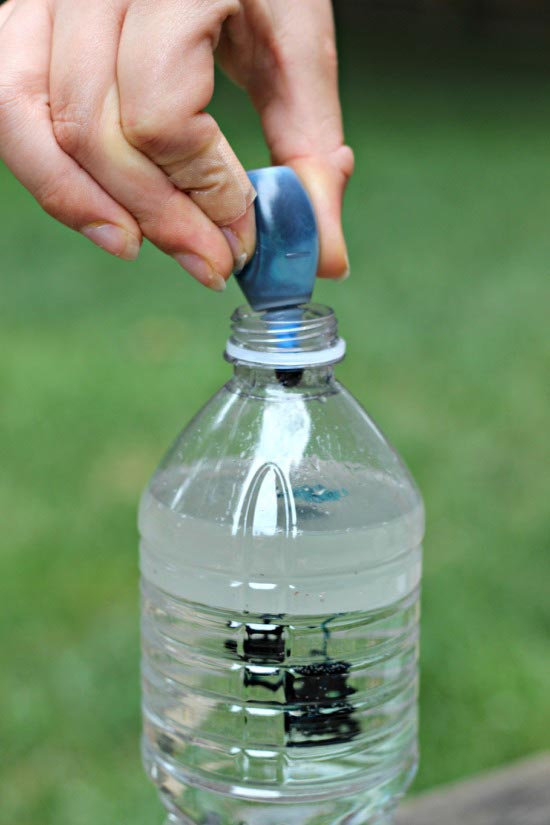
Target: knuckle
(8, 94)
(12, 95)
(147, 135)
(205, 130)
(51, 193)
(71, 129)
(20, 103)
(171, 139)
(330, 54)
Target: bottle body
(281, 559)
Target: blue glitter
(317, 493)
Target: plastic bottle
(281, 560)
(281, 563)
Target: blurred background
(447, 105)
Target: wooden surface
(516, 795)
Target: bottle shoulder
(286, 462)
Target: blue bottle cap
(282, 271)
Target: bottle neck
(266, 382)
(290, 340)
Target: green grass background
(447, 320)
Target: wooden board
(515, 795)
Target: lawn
(446, 316)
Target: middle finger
(86, 117)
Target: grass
(446, 316)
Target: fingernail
(346, 273)
(344, 276)
(201, 270)
(241, 237)
(113, 239)
(237, 248)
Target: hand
(102, 119)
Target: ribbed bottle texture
(318, 712)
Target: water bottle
(281, 560)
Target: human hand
(102, 119)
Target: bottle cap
(282, 271)
(279, 279)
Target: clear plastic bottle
(281, 561)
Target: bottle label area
(277, 708)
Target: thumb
(292, 78)
(325, 178)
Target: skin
(102, 120)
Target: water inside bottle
(280, 666)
